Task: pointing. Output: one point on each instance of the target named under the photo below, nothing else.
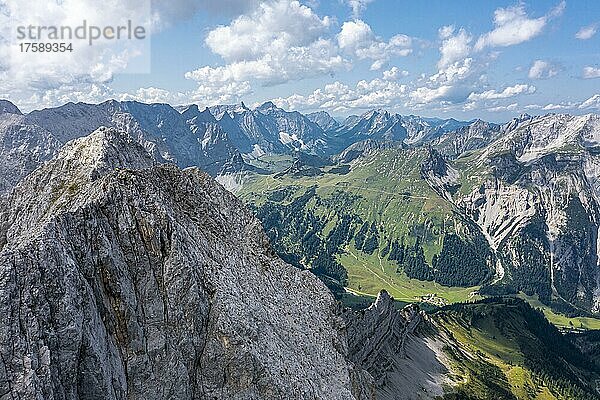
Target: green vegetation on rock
(508, 350)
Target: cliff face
(120, 278)
(533, 193)
(399, 349)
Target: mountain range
(507, 188)
(127, 272)
(209, 139)
(507, 208)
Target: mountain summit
(6, 107)
(126, 279)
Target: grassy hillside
(381, 206)
(368, 274)
(386, 188)
(379, 225)
(504, 349)
(560, 320)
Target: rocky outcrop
(392, 345)
(124, 279)
(324, 120)
(190, 138)
(535, 197)
(381, 126)
(474, 136)
(23, 147)
(6, 107)
(441, 176)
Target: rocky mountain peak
(383, 302)
(512, 124)
(478, 123)
(377, 113)
(378, 340)
(154, 283)
(194, 113)
(112, 104)
(102, 151)
(6, 107)
(531, 139)
(60, 183)
(267, 106)
(192, 108)
(323, 120)
(524, 116)
(231, 109)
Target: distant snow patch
(257, 151)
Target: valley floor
(369, 274)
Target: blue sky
(465, 59)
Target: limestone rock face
(400, 351)
(324, 120)
(23, 147)
(124, 279)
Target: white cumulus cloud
(340, 97)
(586, 32)
(512, 26)
(394, 73)
(318, 58)
(592, 102)
(425, 95)
(541, 69)
(458, 71)
(455, 47)
(503, 108)
(358, 39)
(43, 79)
(284, 40)
(509, 91)
(277, 42)
(358, 6)
(591, 72)
(272, 29)
(559, 106)
(154, 95)
(37, 80)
